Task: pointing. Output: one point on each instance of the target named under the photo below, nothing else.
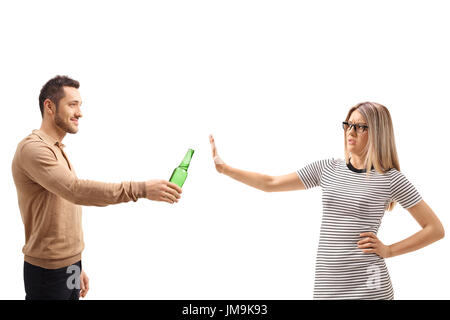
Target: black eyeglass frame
(358, 127)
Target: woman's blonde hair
(380, 151)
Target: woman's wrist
(389, 251)
(226, 169)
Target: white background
(272, 80)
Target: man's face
(68, 110)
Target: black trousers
(52, 284)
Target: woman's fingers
(369, 242)
(216, 158)
(372, 244)
(368, 234)
(367, 245)
(370, 237)
(366, 240)
(213, 145)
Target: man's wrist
(141, 191)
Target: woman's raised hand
(220, 165)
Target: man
(50, 197)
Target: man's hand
(161, 190)
(84, 282)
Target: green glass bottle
(180, 173)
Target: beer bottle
(179, 175)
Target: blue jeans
(52, 284)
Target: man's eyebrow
(75, 101)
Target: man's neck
(53, 131)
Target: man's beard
(63, 125)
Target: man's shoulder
(32, 144)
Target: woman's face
(356, 141)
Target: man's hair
(54, 90)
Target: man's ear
(49, 107)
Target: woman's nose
(352, 131)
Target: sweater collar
(48, 139)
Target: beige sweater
(50, 197)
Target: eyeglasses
(360, 128)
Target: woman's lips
(350, 141)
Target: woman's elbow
(269, 184)
(438, 231)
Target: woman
(356, 193)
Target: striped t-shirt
(353, 204)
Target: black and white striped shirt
(353, 204)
